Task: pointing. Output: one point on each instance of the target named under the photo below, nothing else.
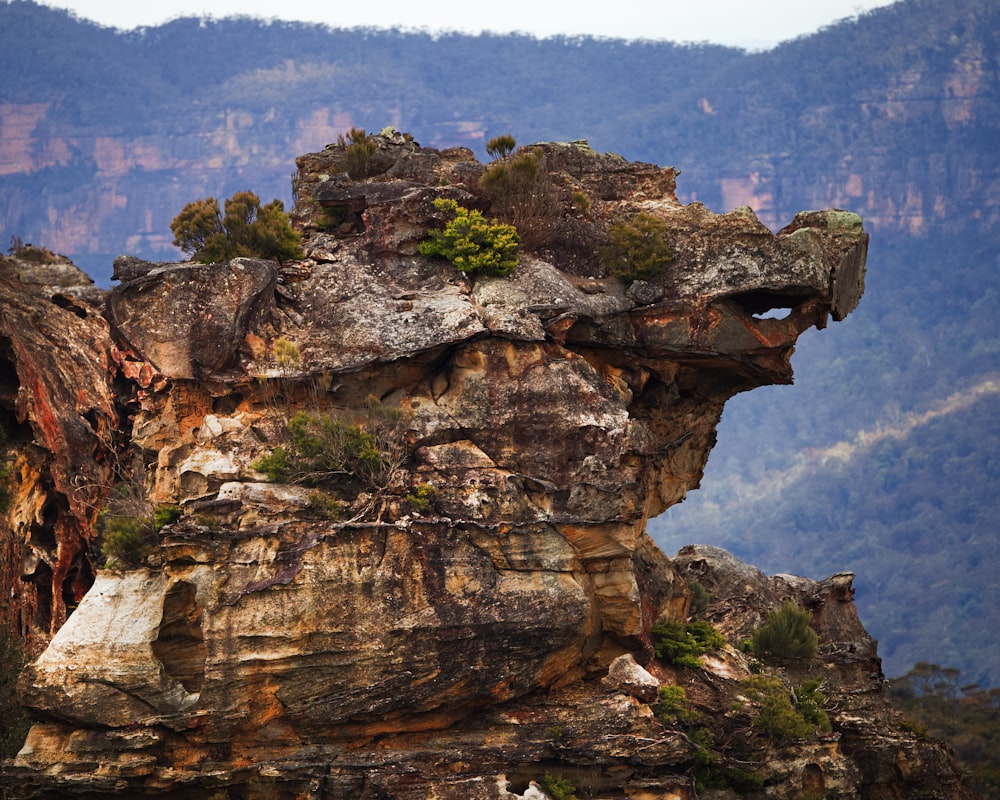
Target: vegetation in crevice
(783, 713)
(325, 450)
(127, 535)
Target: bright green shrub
(245, 229)
(277, 464)
(471, 243)
(810, 702)
(681, 645)
(322, 447)
(786, 635)
(165, 515)
(705, 635)
(638, 248)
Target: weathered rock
(474, 609)
(58, 421)
(189, 320)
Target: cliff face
(471, 607)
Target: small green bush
(422, 499)
(358, 152)
(245, 229)
(581, 202)
(165, 515)
(322, 506)
(326, 446)
(638, 248)
(705, 635)
(557, 788)
(783, 714)
(673, 706)
(810, 702)
(786, 636)
(277, 465)
(699, 598)
(680, 645)
(522, 194)
(127, 540)
(322, 447)
(471, 243)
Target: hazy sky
(743, 23)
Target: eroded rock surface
(473, 608)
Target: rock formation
(450, 594)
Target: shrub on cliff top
(473, 244)
(358, 152)
(501, 146)
(786, 635)
(521, 194)
(245, 229)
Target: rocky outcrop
(460, 598)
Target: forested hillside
(883, 459)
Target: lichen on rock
(445, 589)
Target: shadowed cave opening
(180, 642)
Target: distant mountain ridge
(104, 136)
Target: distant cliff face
(447, 591)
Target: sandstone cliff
(469, 609)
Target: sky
(757, 24)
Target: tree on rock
(245, 229)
